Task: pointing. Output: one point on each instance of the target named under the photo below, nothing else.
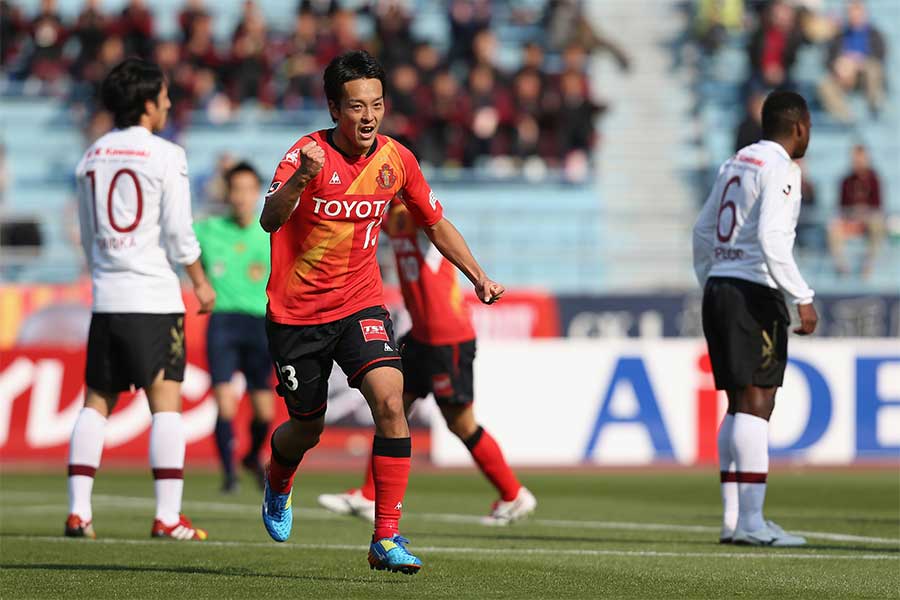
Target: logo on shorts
(768, 348)
(386, 177)
(441, 385)
(373, 329)
(176, 346)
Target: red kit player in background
(324, 210)
(438, 355)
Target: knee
(390, 409)
(462, 430)
(761, 406)
(460, 423)
(307, 433)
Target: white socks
(750, 449)
(167, 460)
(728, 475)
(85, 449)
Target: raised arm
(283, 197)
(451, 244)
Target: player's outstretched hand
(808, 319)
(489, 291)
(207, 297)
(312, 159)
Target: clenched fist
(489, 291)
(312, 159)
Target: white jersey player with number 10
(134, 204)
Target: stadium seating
(536, 234)
(612, 233)
(719, 105)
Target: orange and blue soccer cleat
(75, 527)
(277, 515)
(183, 530)
(390, 554)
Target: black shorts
(445, 371)
(305, 354)
(126, 349)
(237, 342)
(746, 328)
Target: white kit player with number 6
(743, 256)
(134, 205)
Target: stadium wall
(605, 401)
(628, 402)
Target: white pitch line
(321, 514)
(766, 554)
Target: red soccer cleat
(183, 530)
(75, 527)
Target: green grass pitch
(642, 534)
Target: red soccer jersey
(323, 257)
(429, 284)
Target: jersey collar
(329, 137)
(134, 129)
(777, 147)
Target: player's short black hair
(357, 64)
(128, 86)
(242, 167)
(780, 112)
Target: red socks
(489, 458)
(281, 470)
(390, 473)
(368, 487)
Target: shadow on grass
(656, 542)
(228, 572)
(557, 538)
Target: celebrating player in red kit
(438, 356)
(324, 210)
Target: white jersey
(134, 204)
(747, 227)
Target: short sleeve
(289, 163)
(417, 196)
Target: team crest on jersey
(386, 177)
(373, 329)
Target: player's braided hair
(349, 66)
(127, 88)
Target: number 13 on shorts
(288, 376)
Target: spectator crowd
(454, 106)
(776, 30)
(854, 52)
